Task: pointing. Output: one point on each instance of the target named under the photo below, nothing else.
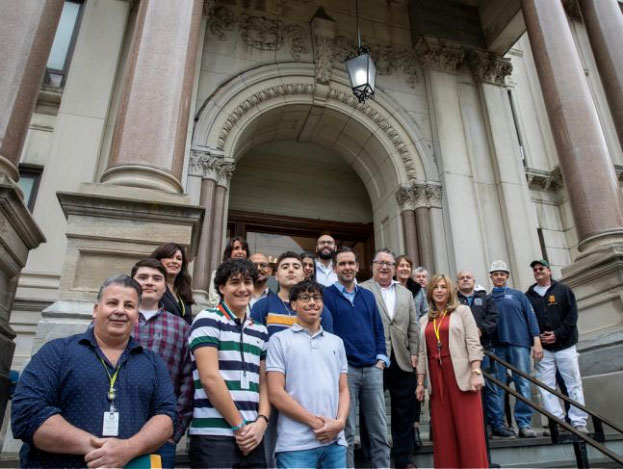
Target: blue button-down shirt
(349, 295)
(66, 377)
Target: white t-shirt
(541, 290)
(148, 314)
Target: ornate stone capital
(489, 67)
(434, 195)
(439, 54)
(208, 163)
(405, 198)
(421, 198)
(544, 180)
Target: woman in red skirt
(450, 354)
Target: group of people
(278, 371)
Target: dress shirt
(389, 297)
(349, 295)
(325, 275)
(66, 377)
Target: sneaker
(581, 428)
(502, 432)
(526, 432)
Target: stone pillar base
(597, 281)
(18, 235)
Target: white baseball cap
(499, 266)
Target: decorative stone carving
(387, 58)
(211, 164)
(418, 195)
(323, 31)
(489, 67)
(544, 180)
(404, 197)
(259, 32)
(257, 98)
(439, 54)
(434, 195)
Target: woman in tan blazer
(450, 355)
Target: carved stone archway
(377, 138)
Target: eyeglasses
(308, 298)
(384, 263)
(260, 265)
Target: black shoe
(502, 432)
(417, 440)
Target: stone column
(586, 165)
(423, 196)
(604, 24)
(215, 172)
(595, 199)
(151, 128)
(516, 210)
(404, 197)
(27, 31)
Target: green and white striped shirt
(220, 328)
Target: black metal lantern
(361, 69)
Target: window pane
(62, 40)
(272, 245)
(26, 183)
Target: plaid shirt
(167, 335)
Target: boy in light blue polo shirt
(307, 383)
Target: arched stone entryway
(285, 102)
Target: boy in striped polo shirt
(228, 350)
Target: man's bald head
(465, 282)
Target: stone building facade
(192, 120)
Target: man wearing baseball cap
(517, 333)
(557, 313)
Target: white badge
(111, 424)
(244, 380)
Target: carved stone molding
(418, 195)
(489, 67)
(210, 164)
(439, 54)
(387, 58)
(259, 32)
(544, 180)
(257, 98)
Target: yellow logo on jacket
(552, 299)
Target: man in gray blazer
(402, 336)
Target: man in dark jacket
(486, 315)
(557, 314)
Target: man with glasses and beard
(260, 286)
(325, 247)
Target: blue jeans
(167, 454)
(332, 456)
(520, 358)
(366, 393)
(490, 395)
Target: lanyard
(224, 309)
(112, 378)
(436, 329)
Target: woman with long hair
(309, 266)
(450, 355)
(178, 298)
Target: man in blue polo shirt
(97, 398)
(517, 333)
(356, 320)
(307, 381)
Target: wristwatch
(477, 371)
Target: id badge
(111, 424)
(244, 380)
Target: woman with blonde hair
(450, 355)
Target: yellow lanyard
(436, 329)
(112, 378)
